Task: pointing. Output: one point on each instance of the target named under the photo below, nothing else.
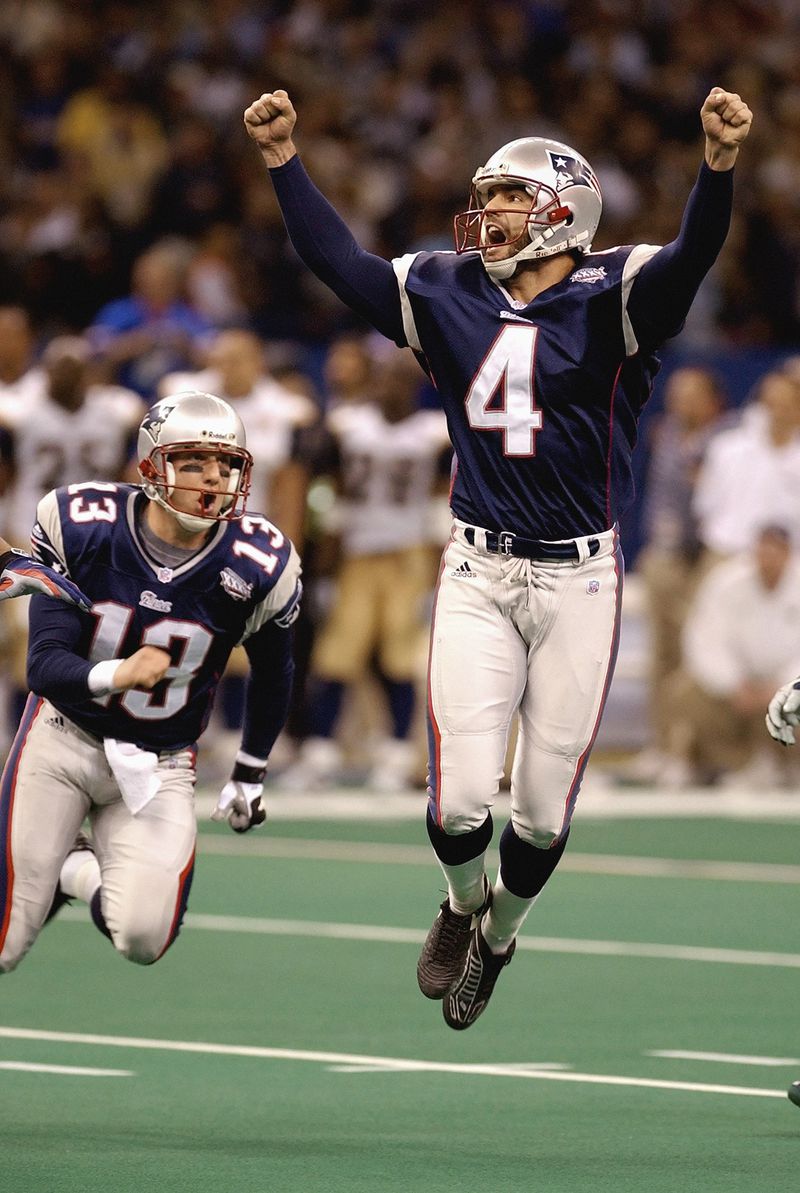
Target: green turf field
(642, 1040)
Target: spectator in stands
(740, 641)
(752, 470)
(153, 330)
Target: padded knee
(138, 945)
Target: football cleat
(794, 1093)
(445, 948)
(470, 993)
(82, 845)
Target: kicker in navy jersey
(543, 354)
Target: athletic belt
(504, 543)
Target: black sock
(525, 869)
(455, 849)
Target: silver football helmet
(565, 202)
(196, 422)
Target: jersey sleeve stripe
(48, 536)
(401, 266)
(640, 255)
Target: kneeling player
(178, 574)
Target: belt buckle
(505, 541)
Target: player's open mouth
(494, 236)
(207, 501)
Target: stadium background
(673, 928)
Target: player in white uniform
(21, 384)
(71, 428)
(178, 574)
(272, 414)
(67, 428)
(276, 420)
(387, 458)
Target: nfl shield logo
(164, 575)
(592, 586)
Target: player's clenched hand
(783, 713)
(144, 669)
(240, 804)
(726, 122)
(270, 121)
(24, 576)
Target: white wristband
(101, 677)
(249, 760)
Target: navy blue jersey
(245, 575)
(542, 400)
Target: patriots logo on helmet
(571, 172)
(155, 418)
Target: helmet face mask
(565, 204)
(197, 425)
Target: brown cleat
(445, 949)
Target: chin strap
(500, 270)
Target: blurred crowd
(120, 127)
(141, 252)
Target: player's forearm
(666, 286)
(269, 688)
(362, 280)
(266, 709)
(56, 668)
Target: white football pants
(514, 635)
(56, 775)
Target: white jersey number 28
(507, 371)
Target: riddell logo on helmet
(217, 435)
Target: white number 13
(508, 368)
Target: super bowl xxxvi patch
(235, 586)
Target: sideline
(597, 801)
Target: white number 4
(508, 368)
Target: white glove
(783, 713)
(240, 804)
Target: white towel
(135, 772)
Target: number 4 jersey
(246, 574)
(541, 400)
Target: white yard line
(383, 934)
(728, 1058)
(381, 1063)
(21, 1066)
(421, 855)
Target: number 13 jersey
(245, 574)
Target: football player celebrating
(178, 574)
(543, 354)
